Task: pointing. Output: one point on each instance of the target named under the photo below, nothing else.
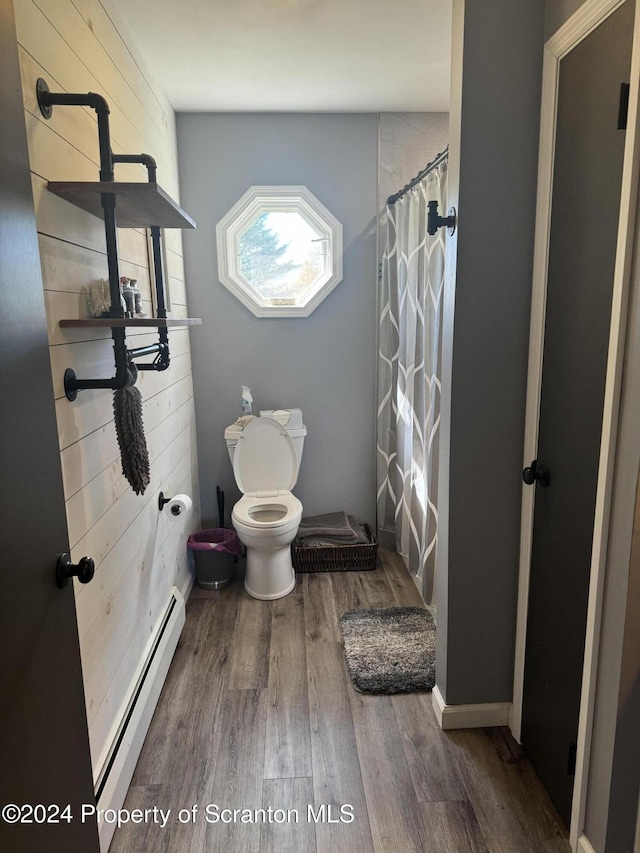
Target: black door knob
(536, 472)
(65, 569)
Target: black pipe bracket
(42, 90)
(435, 221)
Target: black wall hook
(434, 221)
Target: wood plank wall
(140, 554)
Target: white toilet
(266, 459)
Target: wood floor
(258, 712)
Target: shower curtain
(410, 319)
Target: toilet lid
(265, 459)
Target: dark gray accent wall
(494, 128)
(625, 777)
(323, 364)
(614, 770)
(44, 750)
(612, 789)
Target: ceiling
(295, 55)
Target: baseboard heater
(115, 769)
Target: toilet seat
(247, 510)
(265, 466)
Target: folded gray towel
(361, 534)
(333, 524)
(319, 541)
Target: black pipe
(47, 100)
(156, 242)
(140, 351)
(72, 384)
(156, 246)
(145, 159)
(108, 201)
(153, 365)
(104, 143)
(156, 234)
(161, 307)
(160, 362)
(84, 384)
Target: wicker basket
(336, 558)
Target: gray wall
(492, 181)
(556, 13)
(324, 364)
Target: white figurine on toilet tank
(265, 454)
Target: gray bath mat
(392, 650)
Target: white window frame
(262, 199)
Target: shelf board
(138, 205)
(139, 322)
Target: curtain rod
(428, 168)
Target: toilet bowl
(266, 518)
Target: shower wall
(407, 142)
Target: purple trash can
(215, 552)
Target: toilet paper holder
(175, 510)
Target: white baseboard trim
(116, 770)
(584, 845)
(469, 716)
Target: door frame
(590, 15)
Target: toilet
(265, 455)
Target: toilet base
(269, 573)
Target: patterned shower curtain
(410, 319)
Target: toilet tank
(291, 420)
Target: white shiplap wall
(140, 553)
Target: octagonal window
(279, 251)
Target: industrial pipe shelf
(120, 205)
(123, 322)
(138, 205)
